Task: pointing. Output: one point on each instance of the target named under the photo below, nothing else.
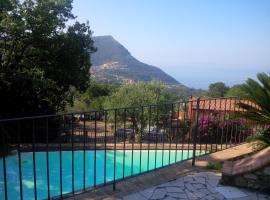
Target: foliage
(214, 166)
(41, 57)
(184, 93)
(236, 91)
(217, 90)
(258, 92)
(179, 130)
(138, 95)
(213, 130)
(263, 136)
(93, 98)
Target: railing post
(5, 150)
(195, 131)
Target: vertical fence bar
(95, 152)
(163, 136)
(84, 154)
(202, 120)
(209, 139)
(47, 158)
(257, 127)
(238, 127)
(195, 132)
(251, 123)
(141, 138)
(245, 121)
(133, 139)
(105, 150)
(170, 133)
(219, 123)
(241, 128)
(114, 163)
(72, 152)
(5, 150)
(248, 125)
(183, 135)
(156, 137)
(177, 132)
(215, 121)
(34, 157)
(229, 115)
(231, 125)
(60, 159)
(190, 128)
(234, 110)
(19, 157)
(224, 118)
(149, 125)
(240, 137)
(125, 136)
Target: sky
(196, 42)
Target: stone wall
(258, 180)
(251, 172)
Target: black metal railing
(55, 156)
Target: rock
(258, 173)
(211, 189)
(240, 181)
(159, 193)
(174, 189)
(190, 187)
(209, 197)
(205, 191)
(250, 176)
(148, 192)
(169, 198)
(179, 182)
(219, 196)
(253, 184)
(176, 195)
(198, 186)
(190, 195)
(200, 179)
(188, 178)
(266, 170)
(213, 182)
(134, 197)
(226, 180)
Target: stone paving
(204, 185)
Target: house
(210, 106)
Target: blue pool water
(161, 158)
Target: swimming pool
(135, 162)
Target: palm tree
(258, 92)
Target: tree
(236, 91)
(93, 98)
(41, 57)
(133, 97)
(138, 95)
(217, 89)
(258, 92)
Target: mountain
(113, 63)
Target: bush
(216, 131)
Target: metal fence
(56, 156)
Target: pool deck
(165, 175)
(204, 185)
